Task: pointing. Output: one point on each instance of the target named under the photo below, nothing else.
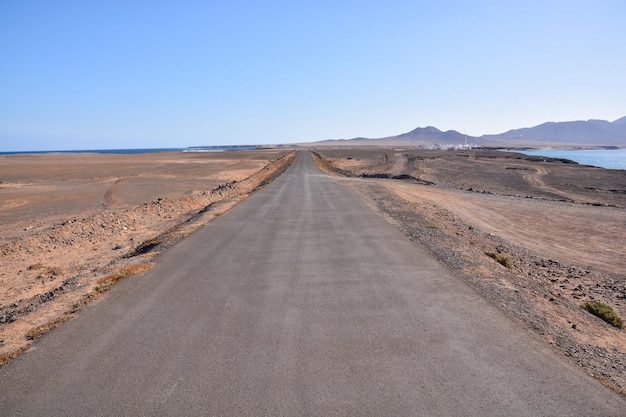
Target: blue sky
(136, 74)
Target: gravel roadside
(541, 292)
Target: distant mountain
(620, 122)
(589, 132)
(420, 136)
(576, 133)
(432, 135)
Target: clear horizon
(211, 145)
(132, 75)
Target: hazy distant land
(575, 134)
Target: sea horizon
(130, 151)
(603, 158)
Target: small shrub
(37, 332)
(501, 259)
(105, 283)
(5, 357)
(603, 311)
(145, 247)
(148, 245)
(55, 270)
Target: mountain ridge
(583, 132)
(578, 133)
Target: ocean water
(221, 148)
(105, 151)
(148, 150)
(605, 158)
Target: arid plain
(73, 224)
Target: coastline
(609, 158)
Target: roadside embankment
(62, 256)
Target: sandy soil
(561, 225)
(72, 224)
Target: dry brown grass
(102, 285)
(105, 283)
(501, 259)
(37, 332)
(607, 383)
(5, 357)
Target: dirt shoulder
(74, 224)
(561, 226)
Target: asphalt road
(299, 301)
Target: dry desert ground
(74, 224)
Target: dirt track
(561, 225)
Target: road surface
(299, 301)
